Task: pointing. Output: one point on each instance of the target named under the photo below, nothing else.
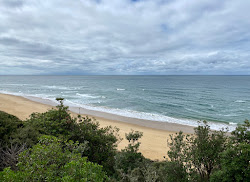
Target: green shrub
(8, 126)
(53, 159)
(130, 164)
(199, 154)
(235, 159)
(129, 158)
(170, 171)
(58, 122)
(9, 148)
(102, 142)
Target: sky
(124, 37)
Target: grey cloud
(125, 37)
(24, 47)
(12, 3)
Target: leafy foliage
(129, 158)
(8, 126)
(235, 164)
(55, 146)
(9, 149)
(54, 160)
(170, 171)
(130, 164)
(102, 142)
(58, 122)
(199, 154)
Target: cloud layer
(124, 37)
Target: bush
(199, 154)
(129, 158)
(171, 171)
(130, 164)
(61, 153)
(235, 159)
(54, 160)
(102, 142)
(58, 122)
(8, 126)
(9, 149)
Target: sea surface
(221, 100)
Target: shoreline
(159, 125)
(151, 120)
(155, 134)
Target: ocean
(221, 100)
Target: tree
(204, 150)
(129, 158)
(58, 122)
(176, 169)
(53, 159)
(170, 171)
(8, 126)
(130, 165)
(9, 155)
(199, 153)
(235, 159)
(102, 142)
(9, 149)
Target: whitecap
(230, 115)
(120, 89)
(56, 87)
(240, 101)
(87, 96)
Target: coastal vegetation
(55, 146)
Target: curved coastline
(169, 124)
(153, 142)
(159, 125)
(155, 134)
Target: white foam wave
(56, 87)
(120, 89)
(240, 101)
(87, 96)
(11, 93)
(19, 93)
(69, 92)
(149, 116)
(230, 115)
(126, 112)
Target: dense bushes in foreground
(54, 146)
(52, 159)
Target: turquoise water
(181, 99)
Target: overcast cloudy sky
(124, 37)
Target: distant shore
(155, 134)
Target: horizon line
(133, 75)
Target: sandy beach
(155, 134)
